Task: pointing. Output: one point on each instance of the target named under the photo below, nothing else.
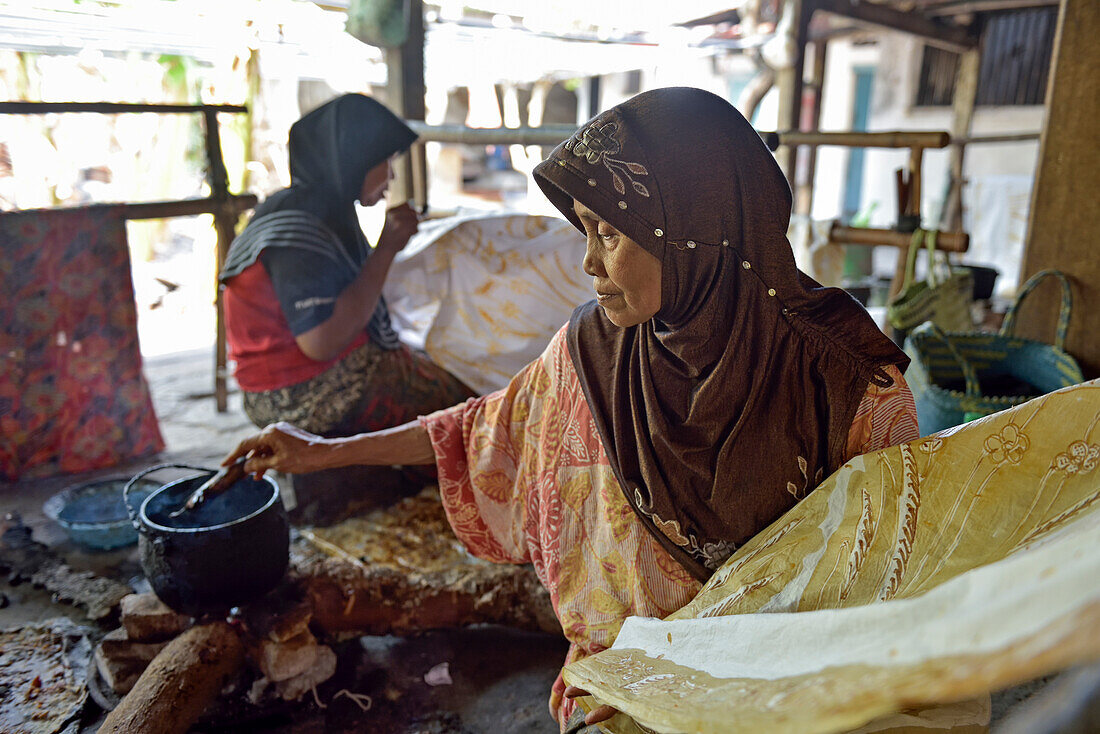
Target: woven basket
(943, 297)
(957, 377)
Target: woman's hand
(289, 449)
(285, 448)
(596, 715)
(402, 222)
(355, 305)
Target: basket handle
(134, 520)
(911, 258)
(1009, 325)
(973, 389)
(939, 269)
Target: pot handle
(133, 513)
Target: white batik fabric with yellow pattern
(935, 571)
(483, 294)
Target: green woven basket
(959, 376)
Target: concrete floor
(501, 678)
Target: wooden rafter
(961, 7)
(950, 37)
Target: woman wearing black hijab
(707, 389)
(305, 319)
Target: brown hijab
(736, 399)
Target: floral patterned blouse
(524, 479)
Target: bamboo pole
(885, 139)
(111, 108)
(842, 235)
(546, 135)
(988, 139)
(554, 134)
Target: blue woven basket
(955, 376)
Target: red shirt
(260, 340)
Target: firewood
(180, 683)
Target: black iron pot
(228, 551)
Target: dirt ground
(500, 678)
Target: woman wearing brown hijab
(707, 389)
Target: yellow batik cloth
(935, 571)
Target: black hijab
(736, 399)
(331, 149)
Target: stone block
(117, 646)
(279, 661)
(147, 619)
(323, 668)
(120, 675)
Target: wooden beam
(544, 135)
(965, 7)
(962, 115)
(111, 108)
(950, 37)
(1064, 217)
(160, 209)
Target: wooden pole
(554, 134)
(804, 196)
(1064, 217)
(911, 211)
(842, 235)
(225, 224)
(111, 108)
(916, 155)
(796, 19)
(405, 90)
(962, 115)
(891, 139)
(162, 209)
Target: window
(1015, 61)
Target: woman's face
(376, 182)
(626, 278)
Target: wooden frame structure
(225, 207)
(1063, 215)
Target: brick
(148, 619)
